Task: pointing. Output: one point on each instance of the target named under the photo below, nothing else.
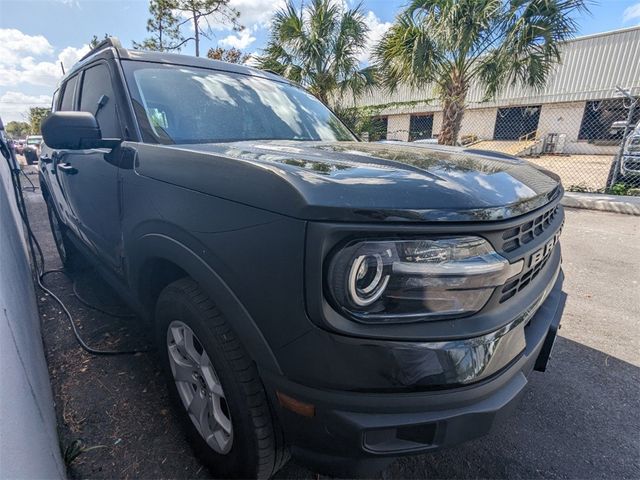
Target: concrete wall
(28, 436)
(437, 122)
(398, 127)
(477, 121)
(554, 118)
(561, 118)
(567, 118)
(480, 122)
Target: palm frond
(318, 46)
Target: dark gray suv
(313, 295)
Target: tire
(69, 255)
(240, 436)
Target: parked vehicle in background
(347, 302)
(19, 146)
(630, 162)
(31, 150)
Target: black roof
(111, 47)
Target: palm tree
(451, 43)
(318, 46)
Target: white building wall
(437, 123)
(480, 122)
(561, 118)
(398, 127)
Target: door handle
(44, 158)
(67, 168)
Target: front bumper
(359, 432)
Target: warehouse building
(572, 115)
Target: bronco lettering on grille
(539, 255)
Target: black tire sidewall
(242, 459)
(53, 216)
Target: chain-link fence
(592, 145)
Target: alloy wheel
(199, 387)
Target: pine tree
(164, 27)
(201, 12)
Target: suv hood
(356, 181)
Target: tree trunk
(197, 33)
(453, 101)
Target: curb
(604, 203)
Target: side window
(67, 95)
(97, 97)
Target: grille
(520, 282)
(522, 234)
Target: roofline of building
(603, 34)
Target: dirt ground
(584, 171)
(578, 420)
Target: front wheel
(215, 386)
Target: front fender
(189, 257)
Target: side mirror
(74, 131)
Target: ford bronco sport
(313, 295)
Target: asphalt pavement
(580, 419)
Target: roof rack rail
(108, 42)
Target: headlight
(411, 280)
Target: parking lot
(580, 419)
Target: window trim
(55, 98)
(63, 88)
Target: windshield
(34, 140)
(177, 104)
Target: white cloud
(240, 40)
(376, 30)
(21, 62)
(631, 13)
(14, 44)
(256, 13)
(38, 73)
(70, 55)
(15, 105)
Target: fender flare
(158, 245)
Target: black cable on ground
(82, 343)
(98, 309)
(32, 187)
(39, 269)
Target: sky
(36, 35)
